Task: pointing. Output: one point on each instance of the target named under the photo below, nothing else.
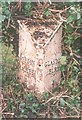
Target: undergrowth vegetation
(63, 101)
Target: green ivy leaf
(63, 60)
(72, 18)
(27, 9)
(69, 28)
(28, 6)
(2, 17)
(62, 102)
(63, 68)
(46, 95)
(47, 12)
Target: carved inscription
(27, 65)
(52, 66)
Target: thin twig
(61, 11)
(56, 97)
(14, 28)
(76, 61)
(61, 18)
(53, 34)
(8, 22)
(3, 109)
(78, 56)
(71, 117)
(59, 96)
(6, 113)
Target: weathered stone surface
(39, 61)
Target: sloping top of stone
(40, 30)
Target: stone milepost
(39, 65)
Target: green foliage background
(24, 104)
